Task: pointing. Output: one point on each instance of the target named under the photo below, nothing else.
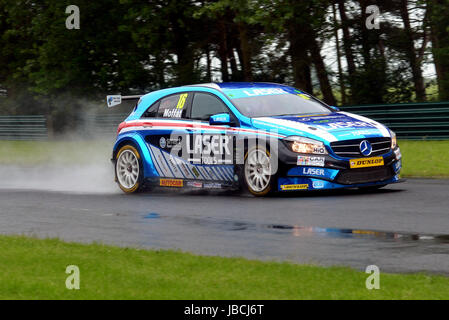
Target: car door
(166, 128)
(211, 147)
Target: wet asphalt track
(402, 228)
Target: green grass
(53, 152)
(425, 159)
(35, 269)
(420, 158)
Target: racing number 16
(182, 101)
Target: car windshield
(280, 105)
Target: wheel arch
(139, 143)
(251, 141)
(122, 142)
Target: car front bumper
(333, 173)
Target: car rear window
(173, 106)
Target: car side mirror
(220, 119)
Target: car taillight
(120, 127)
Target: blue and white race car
(259, 136)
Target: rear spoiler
(113, 101)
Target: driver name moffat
(172, 113)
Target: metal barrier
(23, 128)
(412, 121)
(103, 124)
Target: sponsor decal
(345, 125)
(205, 173)
(212, 186)
(195, 184)
(316, 118)
(286, 187)
(221, 118)
(372, 124)
(368, 162)
(313, 172)
(195, 172)
(177, 183)
(163, 143)
(169, 143)
(206, 148)
(185, 171)
(263, 92)
(173, 166)
(210, 160)
(245, 93)
(311, 161)
(318, 150)
(211, 173)
(318, 184)
(114, 100)
(161, 162)
(357, 133)
(302, 95)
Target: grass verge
(29, 153)
(429, 159)
(35, 269)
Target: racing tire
(128, 169)
(257, 175)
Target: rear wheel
(128, 169)
(257, 172)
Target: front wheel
(128, 169)
(258, 172)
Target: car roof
(151, 97)
(239, 85)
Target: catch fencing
(23, 128)
(411, 121)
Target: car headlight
(394, 141)
(305, 145)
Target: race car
(262, 137)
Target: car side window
(173, 106)
(152, 111)
(206, 105)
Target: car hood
(337, 126)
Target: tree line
(323, 47)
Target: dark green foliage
(132, 47)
